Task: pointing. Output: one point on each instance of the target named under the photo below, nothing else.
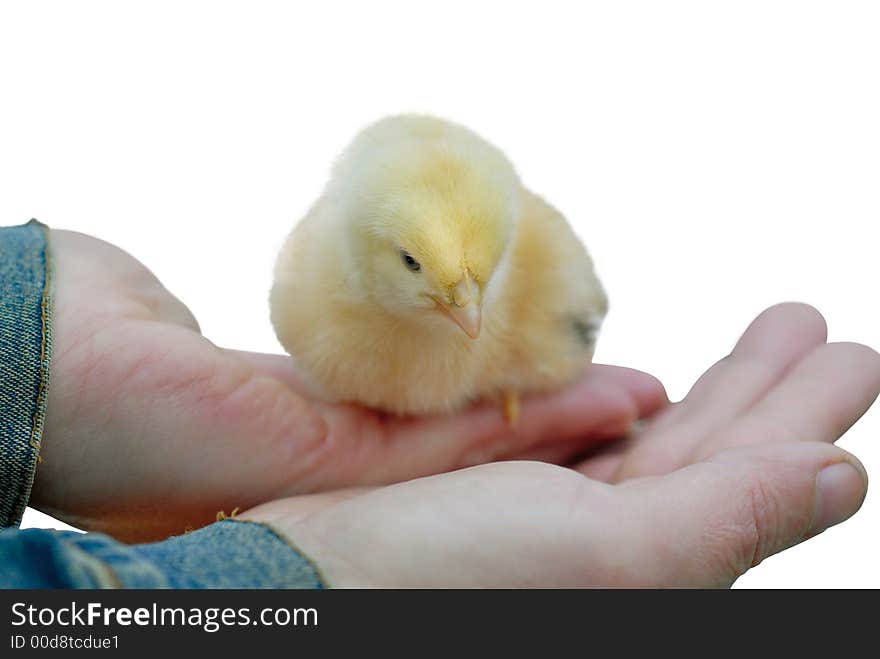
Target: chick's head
(433, 229)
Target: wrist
(334, 565)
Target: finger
(367, 447)
(572, 452)
(591, 411)
(556, 427)
(706, 524)
(603, 463)
(819, 399)
(647, 392)
(774, 341)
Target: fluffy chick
(426, 277)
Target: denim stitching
(26, 342)
(45, 338)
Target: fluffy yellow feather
(426, 277)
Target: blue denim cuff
(227, 554)
(25, 350)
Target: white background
(715, 157)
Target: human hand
(151, 428)
(741, 469)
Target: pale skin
(151, 428)
(744, 467)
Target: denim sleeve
(227, 554)
(25, 350)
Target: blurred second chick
(426, 277)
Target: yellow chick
(426, 277)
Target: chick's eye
(410, 262)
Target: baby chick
(426, 277)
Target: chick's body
(426, 277)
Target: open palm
(743, 468)
(151, 428)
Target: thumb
(707, 524)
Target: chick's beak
(465, 307)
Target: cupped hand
(151, 428)
(743, 468)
